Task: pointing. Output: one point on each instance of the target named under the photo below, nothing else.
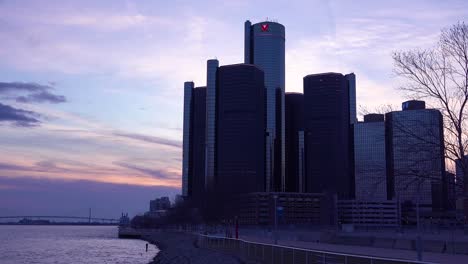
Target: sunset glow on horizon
(92, 92)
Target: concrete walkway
(368, 251)
(177, 247)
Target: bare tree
(380, 109)
(417, 159)
(440, 76)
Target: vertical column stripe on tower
(212, 67)
(188, 88)
(301, 160)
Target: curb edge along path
(369, 251)
(178, 247)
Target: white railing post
(213, 242)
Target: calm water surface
(70, 244)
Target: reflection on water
(70, 244)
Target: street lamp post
(419, 242)
(418, 224)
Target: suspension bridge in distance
(32, 219)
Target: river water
(70, 244)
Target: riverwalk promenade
(258, 246)
(179, 247)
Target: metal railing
(269, 253)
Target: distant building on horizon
(264, 46)
(241, 125)
(370, 159)
(328, 134)
(162, 203)
(415, 155)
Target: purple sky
(91, 91)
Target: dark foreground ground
(181, 248)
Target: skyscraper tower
(327, 107)
(198, 119)
(193, 159)
(186, 162)
(294, 112)
(370, 159)
(264, 46)
(212, 68)
(415, 154)
(240, 145)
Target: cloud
(18, 117)
(5, 166)
(41, 98)
(22, 86)
(155, 173)
(150, 139)
(37, 93)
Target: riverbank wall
(179, 247)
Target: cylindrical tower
(265, 47)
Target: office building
(212, 68)
(294, 123)
(158, 204)
(186, 139)
(240, 144)
(295, 208)
(369, 213)
(158, 207)
(328, 135)
(193, 164)
(351, 82)
(459, 177)
(369, 159)
(264, 46)
(450, 191)
(415, 155)
(197, 179)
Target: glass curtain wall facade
(294, 117)
(369, 158)
(327, 135)
(198, 144)
(240, 144)
(212, 68)
(415, 156)
(264, 46)
(186, 162)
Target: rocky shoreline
(176, 247)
